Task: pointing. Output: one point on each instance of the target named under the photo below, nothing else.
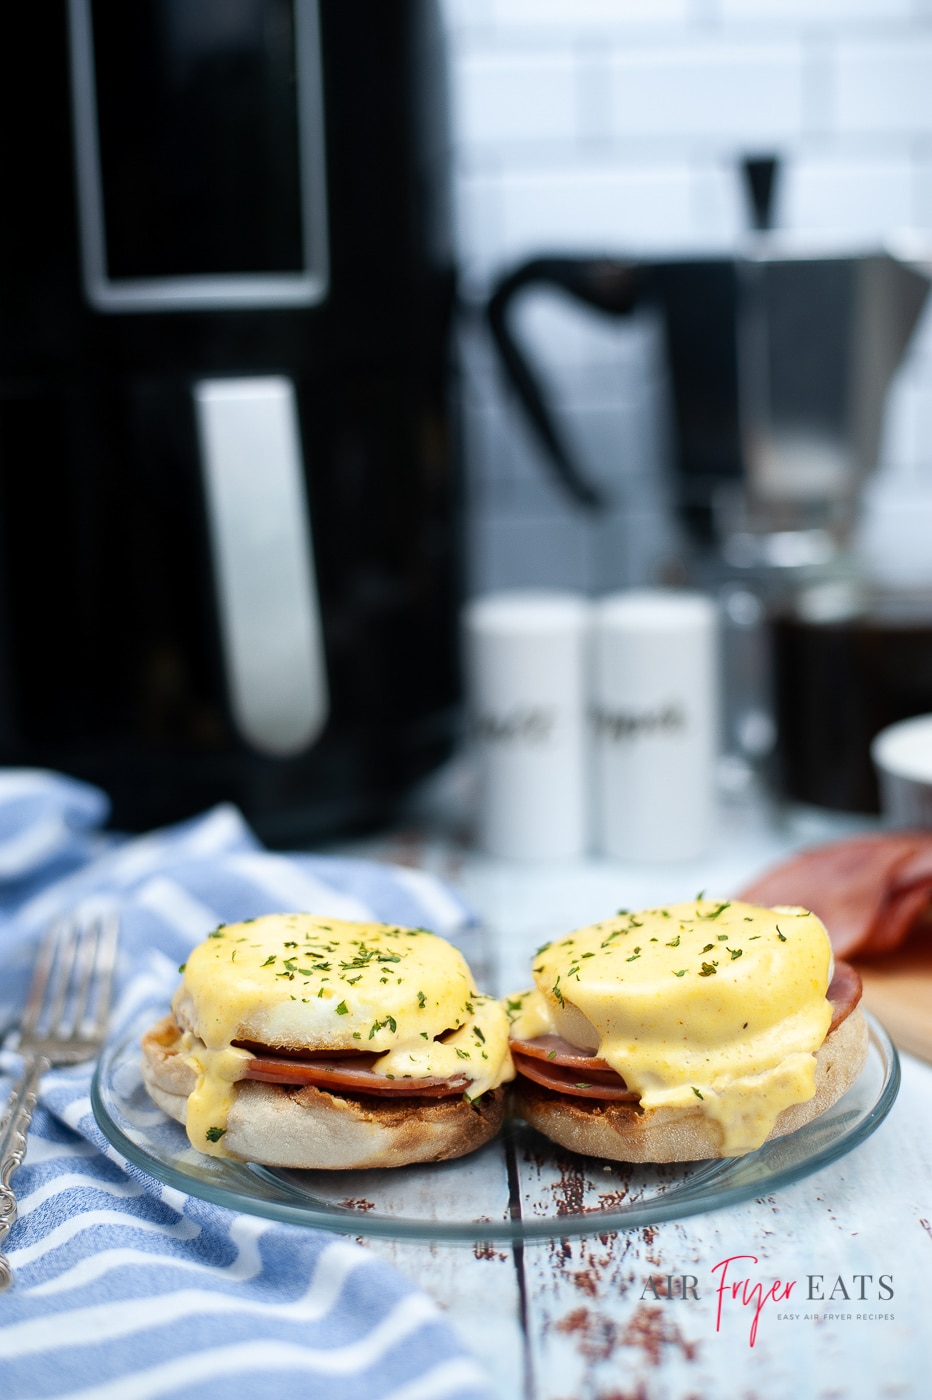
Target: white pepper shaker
(526, 668)
(655, 719)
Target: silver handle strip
(13, 1132)
(263, 558)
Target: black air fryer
(228, 503)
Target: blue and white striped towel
(128, 1289)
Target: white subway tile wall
(617, 126)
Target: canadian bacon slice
(844, 992)
(558, 1051)
(347, 1075)
(556, 1064)
(597, 1084)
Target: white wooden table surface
(570, 1319)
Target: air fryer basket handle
(607, 284)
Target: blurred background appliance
(229, 512)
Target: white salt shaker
(655, 719)
(526, 669)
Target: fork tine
(85, 960)
(65, 954)
(104, 966)
(45, 961)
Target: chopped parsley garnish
(182, 966)
(682, 972)
(675, 943)
(708, 969)
(719, 909)
(735, 952)
(696, 1092)
(421, 1000)
(342, 1009)
(269, 960)
(215, 1134)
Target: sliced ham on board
(869, 891)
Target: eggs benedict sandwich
(687, 1032)
(303, 1041)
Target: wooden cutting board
(898, 990)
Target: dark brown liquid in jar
(837, 683)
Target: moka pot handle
(615, 286)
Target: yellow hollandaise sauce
(305, 983)
(719, 1006)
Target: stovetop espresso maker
(779, 359)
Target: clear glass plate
(519, 1187)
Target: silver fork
(64, 1023)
